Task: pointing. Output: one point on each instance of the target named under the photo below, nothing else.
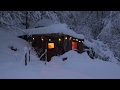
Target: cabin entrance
(74, 45)
(50, 50)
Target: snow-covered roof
(55, 28)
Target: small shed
(55, 40)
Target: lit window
(50, 45)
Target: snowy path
(37, 70)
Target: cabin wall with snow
(60, 36)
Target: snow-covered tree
(110, 34)
(101, 25)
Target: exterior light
(59, 39)
(76, 39)
(65, 37)
(82, 41)
(79, 41)
(42, 39)
(73, 39)
(33, 38)
(70, 38)
(49, 39)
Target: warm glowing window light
(50, 45)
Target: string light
(76, 39)
(70, 38)
(65, 37)
(73, 39)
(59, 39)
(42, 39)
(49, 39)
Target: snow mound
(87, 67)
(72, 56)
(12, 48)
(98, 49)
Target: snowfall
(77, 66)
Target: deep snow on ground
(77, 66)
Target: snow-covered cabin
(56, 39)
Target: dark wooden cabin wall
(60, 47)
(80, 47)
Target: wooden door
(74, 45)
(50, 50)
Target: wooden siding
(60, 47)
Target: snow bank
(100, 50)
(86, 67)
(77, 66)
(11, 47)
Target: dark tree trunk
(27, 20)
